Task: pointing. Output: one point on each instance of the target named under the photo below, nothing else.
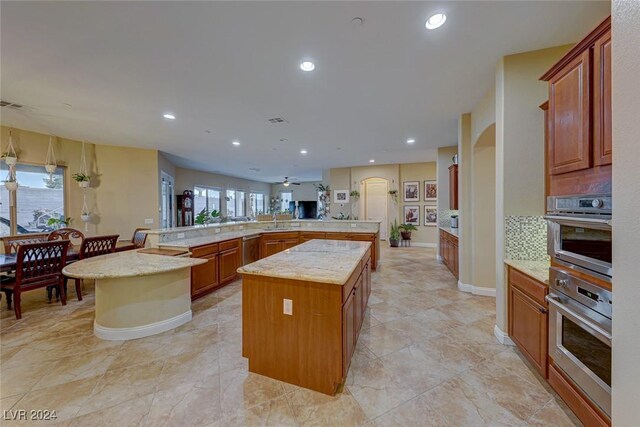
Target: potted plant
(10, 158)
(82, 179)
(11, 184)
(405, 230)
(202, 216)
(215, 216)
(355, 194)
(57, 223)
(394, 235)
(394, 195)
(85, 216)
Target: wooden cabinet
(223, 260)
(453, 187)
(449, 251)
(578, 122)
(204, 277)
(272, 243)
(270, 247)
(230, 260)
(289, 243)
(305, 236)
(528, 318)
(332, 235)
(348, 331)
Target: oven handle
(558, 305)
(578, 221)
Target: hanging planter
(85, 217)
(10, 157)
(50, 164)
(82, 177)
(11, 183)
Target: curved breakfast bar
(136, 294)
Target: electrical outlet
(287, 307)
(148, 221)
(217, 230)
(180, 236)
(295, 224)
(354, 225)
(241, 227)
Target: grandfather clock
(185, 208)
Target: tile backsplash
(526, 238)
(444, 217)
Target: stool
(405, 242)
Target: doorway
(167, 185)
(375, 203)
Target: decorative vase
(10, 160)
(83, 184)
(11, 185)
(50, 168)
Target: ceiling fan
(286, 182)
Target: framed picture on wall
(412, 215)
(341, 196)
(430, 216)
(411, 191)
(430, 191)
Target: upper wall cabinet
(453, 187)
(579, 117)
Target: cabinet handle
(543, 310)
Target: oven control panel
(597, 204)
(589, 294)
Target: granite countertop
(127, 264)
(325, 261)
(539, 270)
(228, 235)
(452, 231)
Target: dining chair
(11, 243)
(38, 265)
(139, 239)
(74, 236)
(90, 247)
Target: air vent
(276, 120)
(10, 104)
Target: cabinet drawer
(310, 235)
(532, 288)
(338, 236)
(230, 244)
(363, 237)
(201, 251)
(280, 236)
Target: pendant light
(50, 164)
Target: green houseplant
(202, 217)
(406, 229)
(82, 179)
(57, 223)
(394, 235)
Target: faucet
(275, 220)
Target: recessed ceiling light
(169, 116)
(410, 141)
(307, 66)
(303, 151)
(372, 161)
(435, 21)
(236, 143)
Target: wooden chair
(38, 265)
(71, 234)
(94, 246)
(139, 239)
(11, 243)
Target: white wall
(626, 226)
(306, 191)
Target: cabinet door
(229, 263)
(602, 146)
(270, 247)
(358, 305)
(348, 332)
(288, 243)
(528, 328)
(204, 276)
(569, 138)
(453, 187)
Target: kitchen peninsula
(226, 247)
(302, 310)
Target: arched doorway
(375, 202)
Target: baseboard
(116, 334)
(423, 245)
(502, 337)
(477, 290)
(439, 258)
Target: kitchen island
(302, 310)
(137, 294)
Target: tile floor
(426, 356)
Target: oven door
(584, 242)
(580, 345)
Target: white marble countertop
(127, 264)
(227, 235)
(325, 261)
(539, 270)
(452, 231)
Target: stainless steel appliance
(580, 334)
(579, 233)
(250, 249)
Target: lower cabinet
(223, 261)
(449, 252)
(529, 319)
(272, 243)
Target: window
(39, 198)
(235, 203)
(257, 202)
(285, 198)
(206, 198)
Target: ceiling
(107, 72)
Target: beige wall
(519, 147)
(123, 189)
(420, 172)
(483, 115)
(465, 149)
(306, 191)
(626, 227)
